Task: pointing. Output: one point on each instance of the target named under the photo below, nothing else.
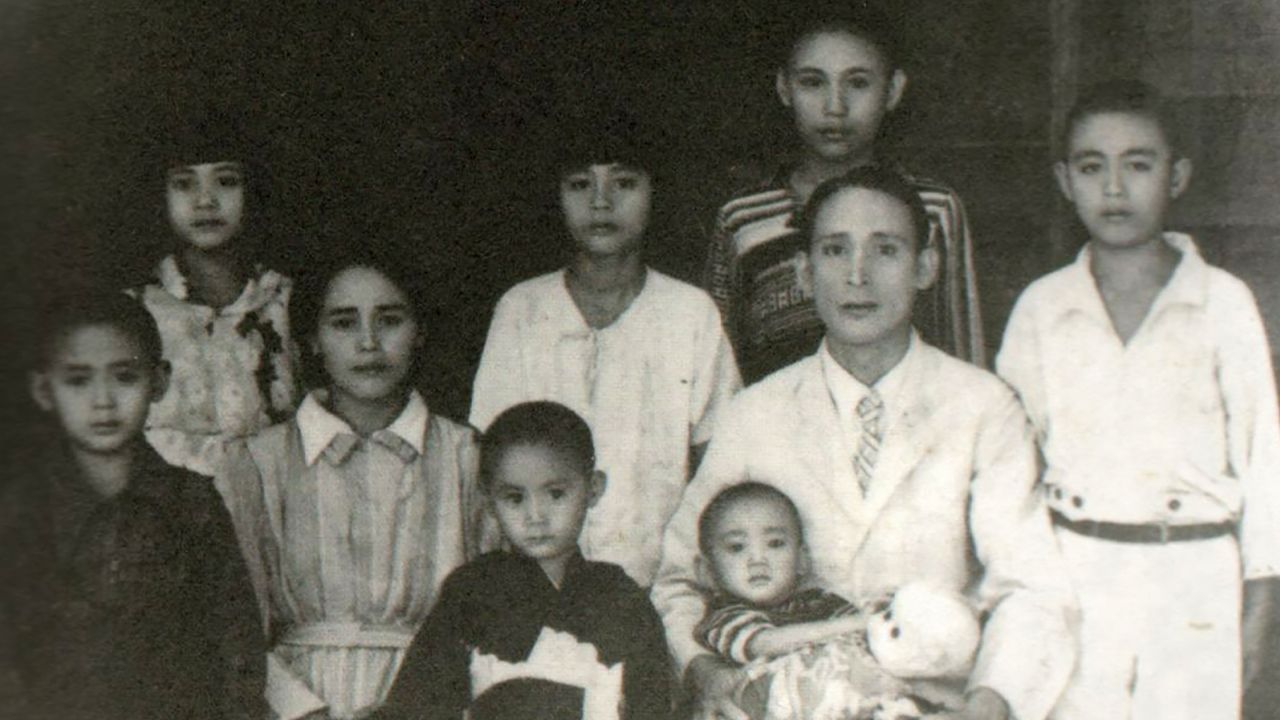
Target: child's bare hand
(714, 683)
(981, 704)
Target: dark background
(427, 126)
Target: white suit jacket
(954, 501)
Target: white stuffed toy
(925, 632)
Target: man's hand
(981, 704)
(713, 682)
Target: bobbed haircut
(731, 497)
(541, 424)
(600, 135)
(312, 285)
(186, 135)
(66, 314)
(860, 19)
(191, 133)
(1125, 95)
(869, 177)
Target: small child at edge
(123, 595)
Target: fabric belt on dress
(1152, 533)
(349, 635)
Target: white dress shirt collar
(847, 391)
(1188, 285)
(319, 426)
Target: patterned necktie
(343, 444)
(870, 409)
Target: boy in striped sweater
(840, 79)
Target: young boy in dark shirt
(122, 591)
(549, 633)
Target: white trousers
(1160, 630)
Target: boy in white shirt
(1147, 375)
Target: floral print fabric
(232, 367)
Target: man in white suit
(905, 463)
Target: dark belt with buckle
(1122, 532)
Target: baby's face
(755, 552)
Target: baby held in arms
(809, 653)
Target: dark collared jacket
(136, 606)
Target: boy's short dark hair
(860, 19)
(312, 284)
(1121, 96)
(543, 424)
(869, 177)
(734, 494)
(62, 316)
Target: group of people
(875, 527)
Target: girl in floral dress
(223, 319)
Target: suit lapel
(911, 434)
(824, 451)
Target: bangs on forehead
(220, 169)
(602, 135)
(218, 165)
(621, 166)
(202, 134)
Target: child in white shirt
(641, 356)
(1147, 375)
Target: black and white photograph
(707, 360)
